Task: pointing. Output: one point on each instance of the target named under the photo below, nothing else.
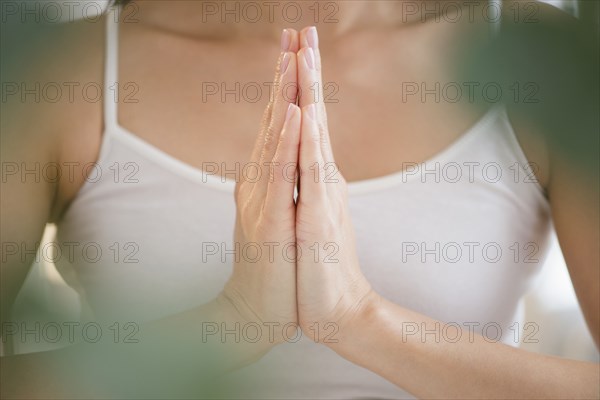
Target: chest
(202, 102)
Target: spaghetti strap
(111, 86)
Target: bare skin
(372, 327)
(165, 107)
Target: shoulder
(52, 93)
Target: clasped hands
(317, 280)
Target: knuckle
(270, 142)
(244, 204)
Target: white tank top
(458, 238)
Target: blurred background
(552, 304)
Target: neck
(266, 19)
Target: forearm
(471, 367)
(172, 357)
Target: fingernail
(312, 37)
(286, 40)
(285, 62)
(310, 111)
(309, 56)
(290, 111)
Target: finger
(309, 37)
(311, 85)
(310, 157)
(294, 42)
(285, 95)
(289, 43)
(280, 191)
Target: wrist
(357, 327)
(234, 325)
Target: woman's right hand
(262, 288)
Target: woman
(411, 272)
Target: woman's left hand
(331, 288)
